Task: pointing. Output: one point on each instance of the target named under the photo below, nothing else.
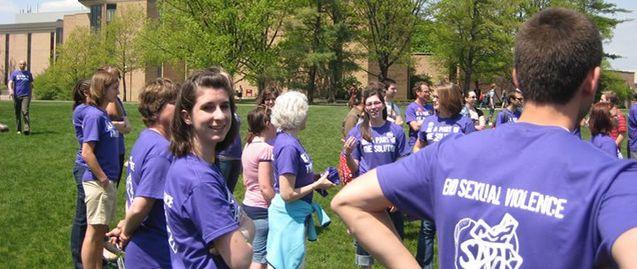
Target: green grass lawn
(37, 193)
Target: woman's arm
(482, 123)
(361, 205)
(348, 147)
(116, 114)
(235, 249)
(289, 193)
(419, 145)
(266, 180)
(88, 154)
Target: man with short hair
(393, 110)
(20, 86)
(632, 129)
(511, 113)
(418, 110)
(558, 202)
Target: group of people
(553, 200)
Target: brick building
(35, 36)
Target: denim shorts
(260, 240)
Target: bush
(51, 86)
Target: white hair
(290, 111)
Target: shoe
(19, 132)
(27, 132)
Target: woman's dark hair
(181, 141)
(418, 85)
(257, 121)
(267, 92)
(371, 90)
(80, 90)
(450, 98)
(600, 120)
(154, 97)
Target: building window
(110, 12)
(96, 17)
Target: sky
(623, 42)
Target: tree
(77, 58)
(240, 36)
(476, 36)
(312, 49)
(387, 29)
(120, 36)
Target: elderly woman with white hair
(290, 211)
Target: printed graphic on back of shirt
(480, 246)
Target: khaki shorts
(100, 202)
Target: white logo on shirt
(308, 162)
(111, 129)
(478, 245)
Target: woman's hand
(349, 145)
(323, 182)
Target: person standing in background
(118, 116)
(20, 88)
(618, 132)
(393, 110)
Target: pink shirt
(253, 154)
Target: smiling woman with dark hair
(206, 228)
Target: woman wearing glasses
(372, 143)
(470, 111)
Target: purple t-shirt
(387, 145)
(416, 112)
(434, 128)
(233, 152)
(291, 158)
(554, 200)
(147, 167)
(22, 82)
(78, 119)
(96, 127)
(506, 116)
(606, 144)
(632, 128)
(199, 209)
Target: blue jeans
(260, 240)
(231, 169)
(79, 222)
(425, 250)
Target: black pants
(21, 107)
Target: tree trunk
(383, 65)
(336, 70)
(311, 85)
(124, 83)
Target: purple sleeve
(615, 216)
(422, 132)
(401, 143)
(30, 77)
(500, 119)
(210, 211)
(468, 126)
(287, 161)
(153, 178)
(91, 125)
(410, 114)
(13, 74)
(407, 183)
